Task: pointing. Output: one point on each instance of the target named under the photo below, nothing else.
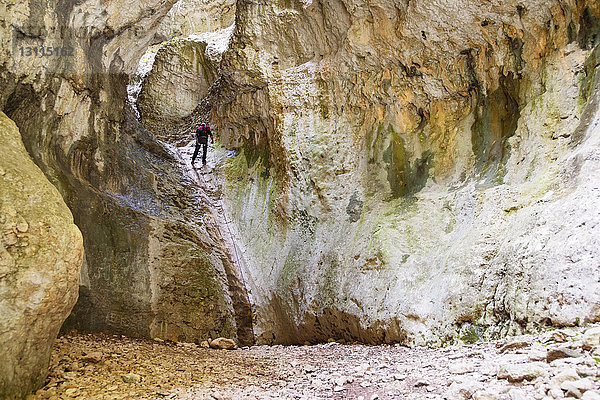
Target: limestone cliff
(41, 251)
(155, 264)
(189, 17)
(396, 171)
(415, 171)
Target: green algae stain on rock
(397, 165)
(496, 121)
(406, 178)
(247, 169)
(588, 78)
(471, 334)
(236, 168)
(393, 237)
(388, 154)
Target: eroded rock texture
(181, 77)
(155, 264)
(415, 171)
(403, 171)
(189, 17)
(41, 251)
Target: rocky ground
(556, 364)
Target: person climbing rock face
(202, 134)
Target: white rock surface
(521, 372)
(377, 202)
(591, 337)
(188, 17)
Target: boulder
(514, 344)
(460, 368)
(577, 388)
(561, 352)
(591, 337)
(567, 375)
(485, 395)
(180, 78)
(521, 372)
(41, 252)
(223, 344)
(92, 358)
(591, 395)
(131, 378)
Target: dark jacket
(202, 134)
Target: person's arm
(212, 139)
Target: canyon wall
(395, 171)
(414, 171)
(189, 17)
(155, 264)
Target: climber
(202, 134)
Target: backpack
(202, 133)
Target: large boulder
(41, 252)
(180, 78)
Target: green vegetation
(246, 174)
(236, 168)
(473, 334)
(397, 165)
(388, 151)
(496, 117)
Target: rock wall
(155, 264)
(189, 17)
(415, 171)
(401, 171)
(41, 251)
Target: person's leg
(196, 152)
(204, 153)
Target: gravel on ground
(556, 364)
